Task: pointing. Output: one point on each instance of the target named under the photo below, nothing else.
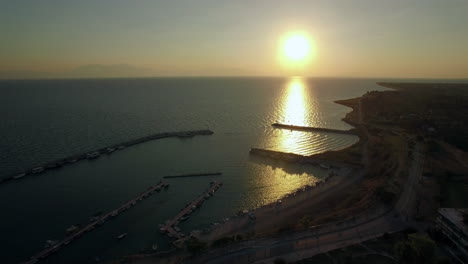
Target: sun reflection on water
(294, 112)
(294, 109)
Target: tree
(404, 252)
(418, 249)
(424, 246)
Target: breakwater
(94, 154)
(296, 158)
(171, 229)
(314, 129)
(193, 175)
(99, 221)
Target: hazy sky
(365, 38)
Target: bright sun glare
(296, 47)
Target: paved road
(298, 245)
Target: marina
(171, 226)
(54, 246)
(94, 154)
(314, 129)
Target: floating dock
(314, 129)
(194, 175)
(96, 223)
(94, 154)
(170, 227)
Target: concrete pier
(98, 222)
(314, 129)
(94, 154)
(170, 226)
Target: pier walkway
(170, 227)
(94, 154)
(100, 221)
(314, 129)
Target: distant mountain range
(126, 70)
(85, 71)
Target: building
(451, 223)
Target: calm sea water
(50, 119)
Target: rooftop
(455, 215)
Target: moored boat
(19, 176)
(121, 236)
(110, 150)
(92, 155)
(37, 170)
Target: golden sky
(361, 38)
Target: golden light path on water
(294, 109)
(286, 178)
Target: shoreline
(263, 220)
(342, 174)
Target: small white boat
(50, 243)
(92, 155)
(72, 229)
(121, 236)
(110, 150)
(38, 170)
(19, 176)
(154, 247)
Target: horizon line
(227, 76)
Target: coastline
(397, 134)
(284, 214)
(345, 169)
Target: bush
(418, 249)
(404, 252)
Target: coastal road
(301, 244)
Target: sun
(296, 47)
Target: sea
(45, 120)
